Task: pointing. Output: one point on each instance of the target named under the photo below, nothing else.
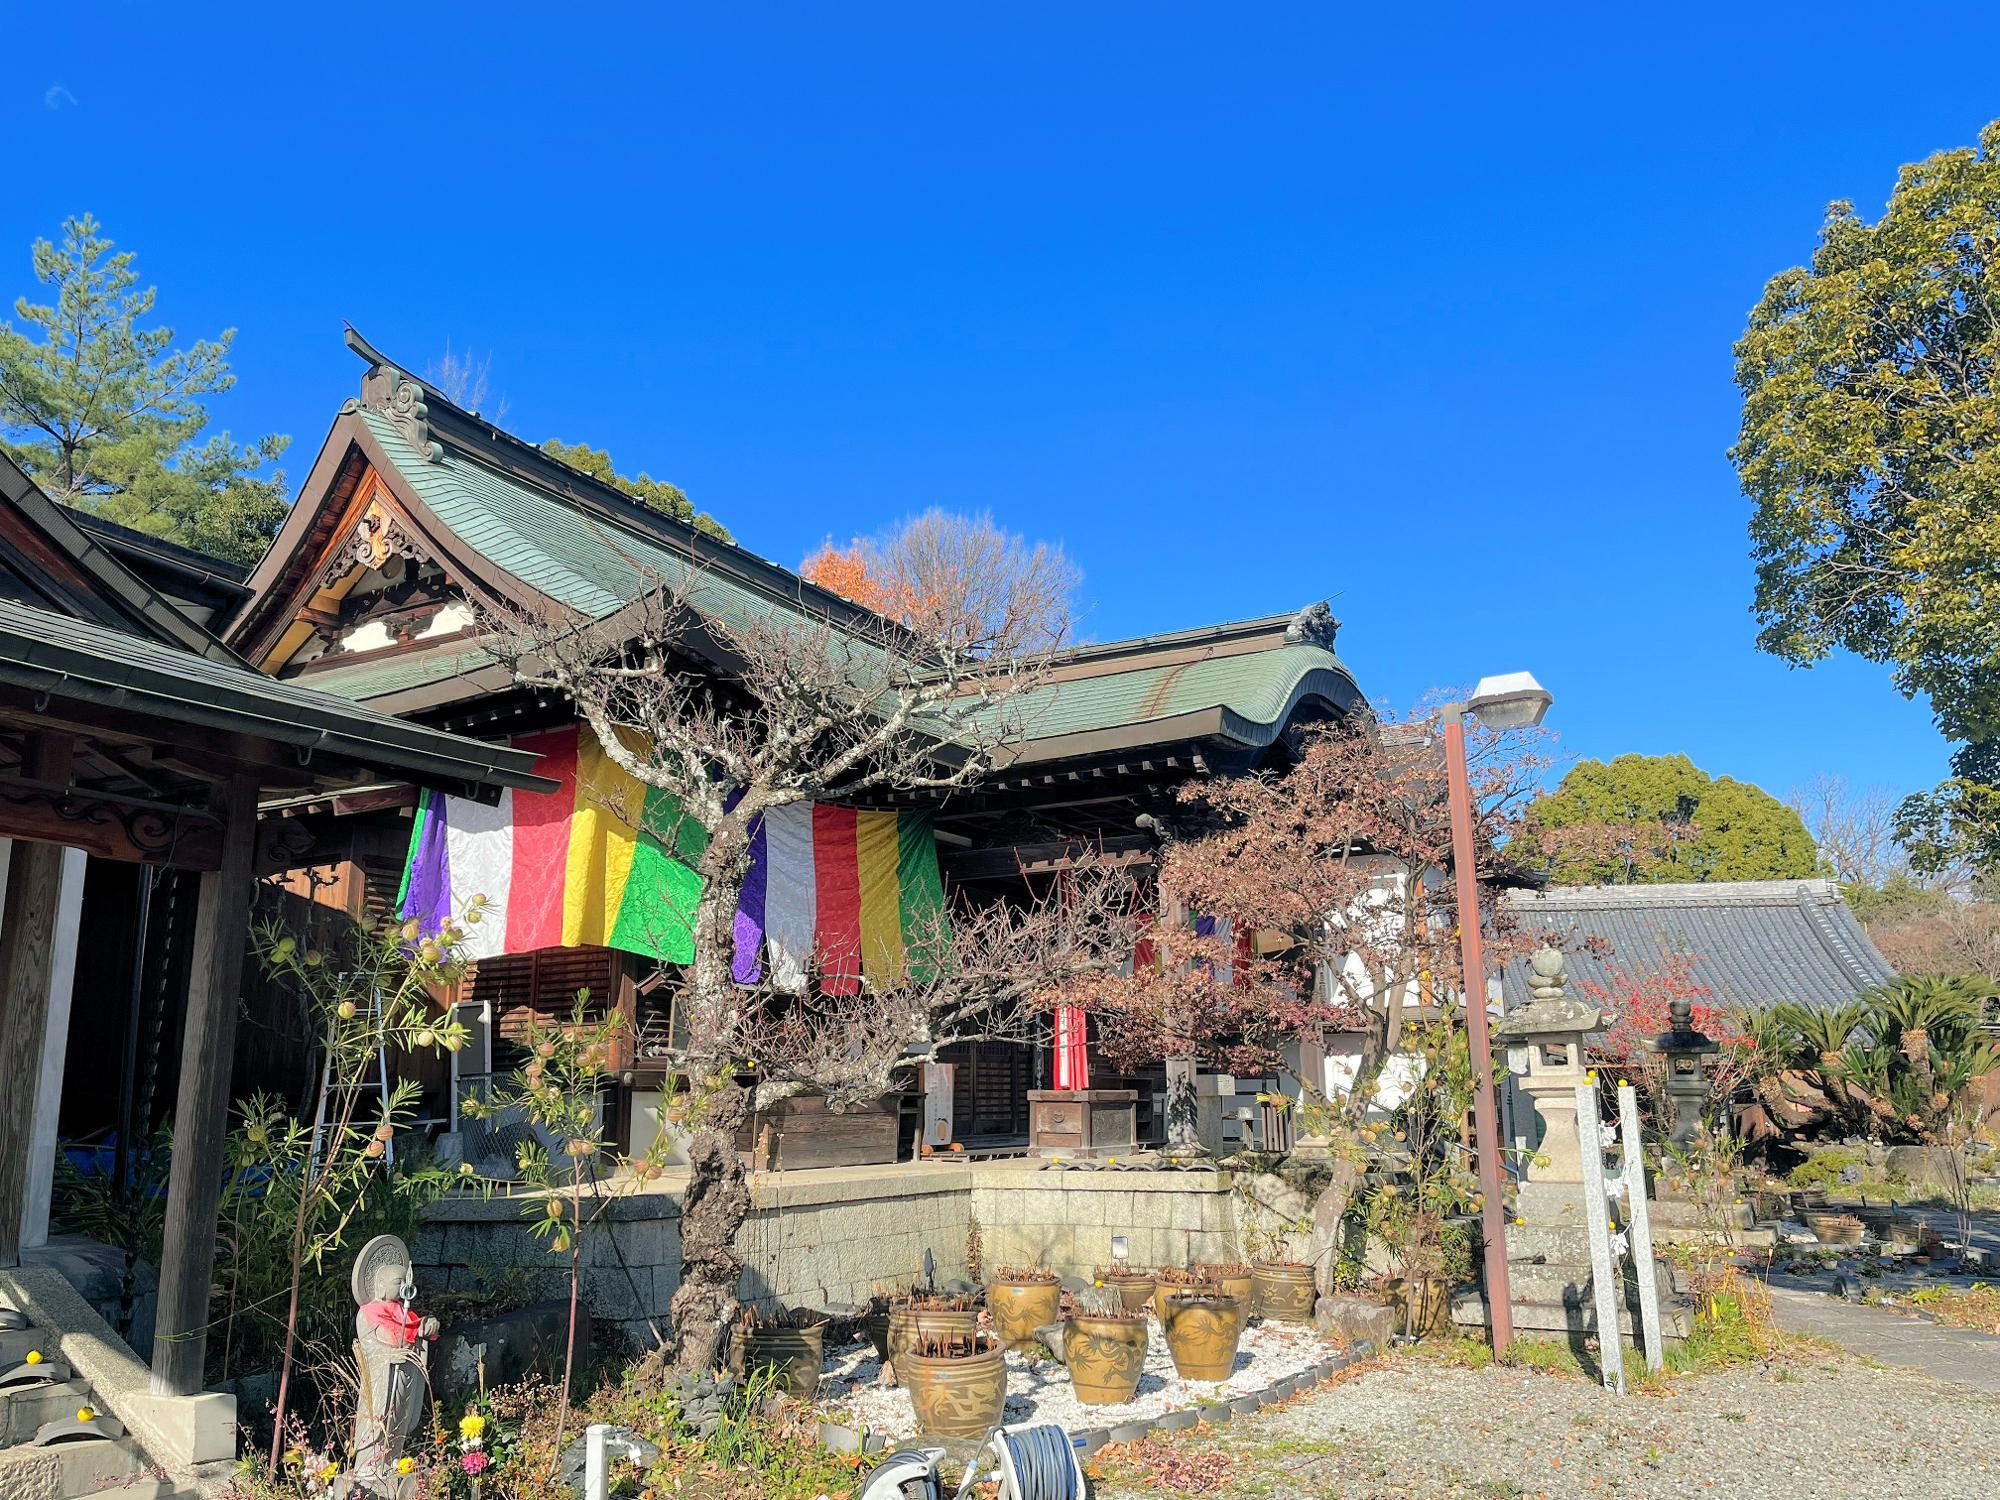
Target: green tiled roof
(1255, 691)
(597, 565)
(394, 674)
(590, 564)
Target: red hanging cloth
(1072, 1059)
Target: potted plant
(1170, 1279)
(1232, 1276)
(933, 1315)
(1022, 1302)
(1104, 1347)
(792, 1343)
(1134, 1287)
(957, 1386)
(1282, 1290)
(1835, 1228)
(875, 1321)
(1202, 1330)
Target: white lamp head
(1513, 700)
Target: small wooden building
(132, 740)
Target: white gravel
(1816, 1426)
(1041, 1392)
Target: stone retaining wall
(1066, 1220)
(821, 1237)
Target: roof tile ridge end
(1837, 943)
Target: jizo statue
(391, 1350)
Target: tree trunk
(1323, 1242)
(714, 1208)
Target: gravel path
(1818, 1425)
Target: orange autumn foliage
(844, 570)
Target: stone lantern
(1549, 1271)
(1544, 1041)
(1687, 1051)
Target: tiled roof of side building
(1750, 942)
(40, 649)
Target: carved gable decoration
(377, 536)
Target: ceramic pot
(876, 1324)
(907, 1323)
(1424, 1306)
(1021, 1307)
(1283, 1293)
(795, 1353)
(1202, 1330)
(1134, 1288)
(1237, 1286)
(1835, 1228)
(959, 1396)
(1105, 1356)
(1165, 1289)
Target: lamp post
(1512, 701)
(1686, 1049)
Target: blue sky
(1427, 313)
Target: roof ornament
(389, 391)
(1313, 626)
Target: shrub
(1823, 1168)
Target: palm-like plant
(1962, 1063)
(1771, 1036)
(1820, 1034)
(1911, 1012)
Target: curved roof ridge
(1839, 937)
(1688, 893)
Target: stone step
(16, 1342)
(1752, 1237)
(1541, 1318)
(1678, 1213)
(68, 1470)
(1565, 1291)
(22, 1411)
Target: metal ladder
(329, 1086)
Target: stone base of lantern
(1549, 1275)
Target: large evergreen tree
(108, 416)
(1870, 449)
(1649, 819)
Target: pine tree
(108, 416)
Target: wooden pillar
(27, 961)
(201, 1113)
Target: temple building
(420, 522)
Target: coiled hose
(1041, 1463)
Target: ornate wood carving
(110, 826)
(378, 536)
